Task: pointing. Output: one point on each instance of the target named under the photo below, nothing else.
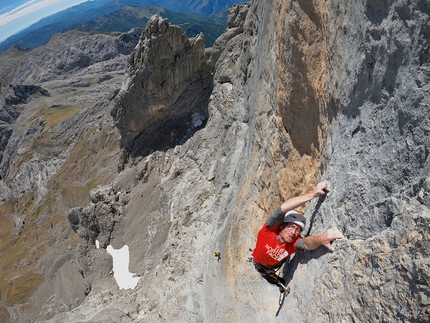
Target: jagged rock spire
(167, 75)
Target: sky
(16, 15)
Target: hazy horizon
(17, 15)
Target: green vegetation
(22, 248)
(56, 115)
(45, 222)
(187, 218)
(205, 195)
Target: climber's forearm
(325, 239)
(295, 202)
(312, 242)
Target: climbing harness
(271, 273)
(286, 289)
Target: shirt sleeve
(300, 244)
(276, 218)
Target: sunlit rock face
(168, 80)
(301, 91)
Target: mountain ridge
(180, 151)
(130, 17)
(40, 33)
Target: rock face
(50, 122)
(168, 81)
(301, 91)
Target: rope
(245, 232)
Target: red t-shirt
(269, 251)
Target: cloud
(29, 13)
(25, 9)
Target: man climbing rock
(280, 236)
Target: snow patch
(121, 259)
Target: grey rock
(22, 94)
(300, 92)
(168, 80)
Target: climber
(280, 237)
(217, 255)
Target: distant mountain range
(193, 16)
(129, 17)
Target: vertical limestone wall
(303, 91)
(336, 91)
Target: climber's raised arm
(277, 216)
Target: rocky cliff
(168, 81)
(292, 93)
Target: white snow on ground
(121, 259)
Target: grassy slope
(46, 223)
(23, 246)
